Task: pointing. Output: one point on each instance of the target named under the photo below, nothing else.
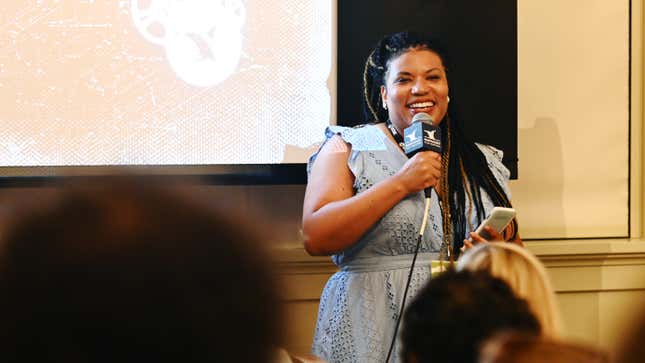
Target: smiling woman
(415, 82)
(483, 72)
(364, 203)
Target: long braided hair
(467, 169)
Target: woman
(524, 273)
(364, 200)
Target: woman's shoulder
(494, 157)
(366, 137)
(490, 151)
(361, 137)
(351, 130)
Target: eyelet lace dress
(360, 303)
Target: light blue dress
(360, 303)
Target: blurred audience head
(524, 273)
(455, 312)
(122, 271)
(632, 349)
(520, 348)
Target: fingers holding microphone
(422, 171)
(428, 166)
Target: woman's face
(415, 82)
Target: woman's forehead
(416, 57)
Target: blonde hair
(524, 273)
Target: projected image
(86, 82)
(202, 38)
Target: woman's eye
(434, 77)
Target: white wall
(573, 118)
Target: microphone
(422, 135)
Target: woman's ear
(384, 97)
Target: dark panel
(241, 174)
(481, 39)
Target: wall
(573, 118)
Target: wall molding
(574, 266)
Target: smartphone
(498, 219)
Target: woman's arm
(502, 174)
(334, 218)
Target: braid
(373, 78)
(367, 89)
(464, 177)
(446, 244)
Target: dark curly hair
(467, 169)
(456, 311)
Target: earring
(384, 105)
(448, 99)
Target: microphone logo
(430, 134)
(430, 140)
(412, 137)
(422, 135)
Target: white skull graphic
(202, 38)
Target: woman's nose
(420, 87)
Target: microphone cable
(407, 284)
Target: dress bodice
(374, 158)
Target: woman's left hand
(476, 239)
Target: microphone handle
(427, 192)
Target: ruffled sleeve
(494, 158)
(362, 138)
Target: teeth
(422, 104)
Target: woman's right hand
(423, 170)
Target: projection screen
(164, 82)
